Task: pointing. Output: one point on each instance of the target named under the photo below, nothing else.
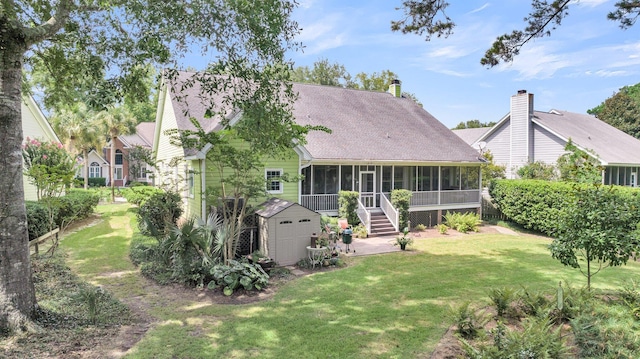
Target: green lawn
(383, 306)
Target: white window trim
(281, 183)
(191, 183)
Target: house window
(143, 171)
(118, 157)
(274, 185)
(117, 173)
(94, 170)
(347, 178)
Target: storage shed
(285, 230)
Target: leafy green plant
(404, 240)
(139, 194)
(462, 222)
(348, 206)
(157, 214)
(532, 302)
(442, 228)
(401, 199)
(468, 320)
(539, 171)
(502, 299)
(360, 231)
(238, 274)
(420, 227)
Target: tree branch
(52, 26)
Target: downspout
(203, 182)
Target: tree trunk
(112, 169)
(85, 155)
(17, 293)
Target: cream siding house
(524, 136)
(34, 125)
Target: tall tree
(115, 121)
(94, 49)
(622, 110)
(78, 130)
(323, 73)
(429, 18)
(473, 124)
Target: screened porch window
(306, 181)
(427, 178)
(450, 179)
(470, 177)
(325, 179)
(346, 182)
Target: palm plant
(78, 130)
(116, 121)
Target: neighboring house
(524, 136)
(126, 170)
(379, 142)
(98, 167)
(34, 125)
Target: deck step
(381, 226)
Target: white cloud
(537, 62)
(486, 5)
(591, 3)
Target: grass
(384, 306)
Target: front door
(368, 189)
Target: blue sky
(584, 61)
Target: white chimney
(394, 88)
(520, 136)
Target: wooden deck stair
(380, 226)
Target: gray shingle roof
(471, 135)
(366, 125)
(610, 144)
(143, 136)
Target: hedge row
(76, 204)
(538, 205)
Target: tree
(473, 124)
(138, 158)
(95, 50)
(116, 121)
(597, 229)
(580, 166)
(429, 18)
(538, 170)
(78, 129)
(622, 110)
(490, 170)
(323, 73)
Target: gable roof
(274, 205)
(471, 135)
(589, 133)
(142, 137)
(366, 125)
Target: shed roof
(274, 205)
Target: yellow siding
(194, 202)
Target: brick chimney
(395, 89)
(520, 137)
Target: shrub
(420, 227)
(463, 222)
(139, 194)
(401, 199)
(468, 320)
(501, 299)
(76, 204)
(538, 170)
(158, 212)
(348, 206)
(442, 228)
(37, 219)
(238, 273)
(93, 181)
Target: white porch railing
(424, 198)
(389, 211)
(455, 197)
(320, 202)
(365, 216)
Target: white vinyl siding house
(34, 125)
(542, 136)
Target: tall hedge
(539, 205)
(348, 206)
(401, 199)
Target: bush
(76, 204)
(538, 170)
(468, 320)
(158, 212)
(238, 273)
(139, 194)
(401, 199)
(37, 219)
(348, 206)
(463, 223)
(501, 299)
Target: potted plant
(404, 240)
